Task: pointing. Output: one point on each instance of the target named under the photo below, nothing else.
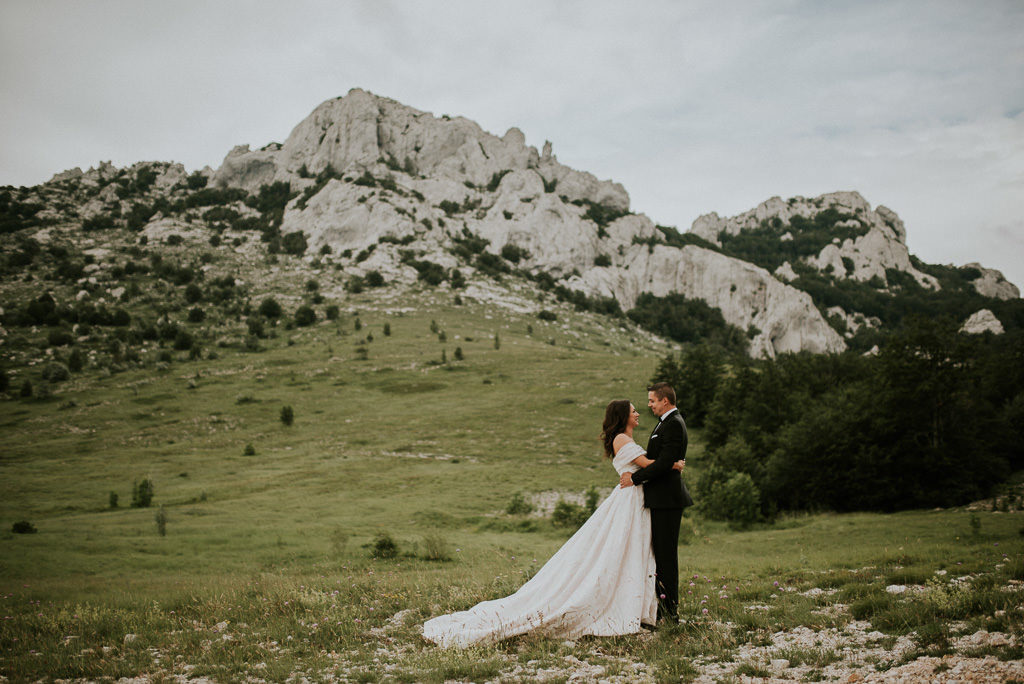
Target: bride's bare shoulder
(621, 439)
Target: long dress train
(600, 582)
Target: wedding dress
(600, 582)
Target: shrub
(5, 381)
(456, 279)
(332, 312)
(355, 284)
(304, 316)
(120, 318)
(23, 527)
(112, 500)
(519, 505)
(374, 279)
(496, 179)
(142, 494)
(255, 326)
(458, 354)
(42, 390)
(196, 181)
(602, 260)
(497, 341)
(312, 285)
(249, 450)
(287, 415)
(546, 315)
(737, 500)
(514, 253)
(269, 308)
(60, 337)
(98, 222)
(449, 207)
(384, 546)
(435, 548)
(387, 330)
(56, 372)
(26, 389)
(192, 293)
(161, 522)
(183, 340)
(294, 243)
(76, 360)
(196, 315)
(568, 514)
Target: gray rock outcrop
(982, 321)
(991, 283)
(882, 245)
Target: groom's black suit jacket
(663, 487)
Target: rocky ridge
(448, 177)
(881, 245)
(374, 185)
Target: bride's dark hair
(616, 417)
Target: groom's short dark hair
(663, 390)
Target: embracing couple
(620, 572)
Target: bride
(600, 582)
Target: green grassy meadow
(266, 569)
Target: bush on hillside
(269, 308)
(384, 547)
(142, 494)
(304, 316)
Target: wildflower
(692, 584)
(661, 595)
(775, 584)
(705, 611)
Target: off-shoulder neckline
(626, 445)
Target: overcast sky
(693, 106)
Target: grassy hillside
(266, 569)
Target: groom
(664, 493)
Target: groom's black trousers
(665, 540)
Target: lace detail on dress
(624, 457)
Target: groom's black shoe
(649, 627)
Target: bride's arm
(643, 462)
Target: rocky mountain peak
(365, 132)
